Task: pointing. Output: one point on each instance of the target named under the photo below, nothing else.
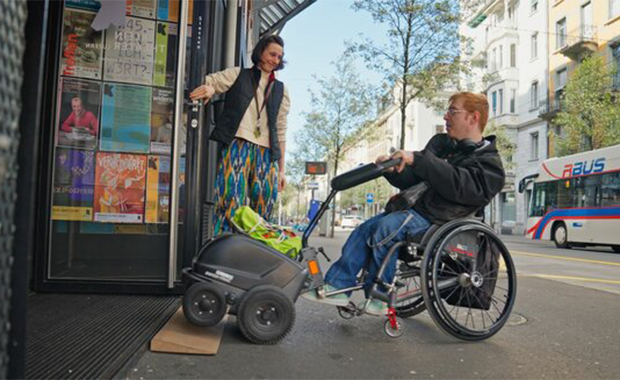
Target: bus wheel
(616, 248)
(560, 237)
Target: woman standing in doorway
(252, 129)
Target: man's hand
(202, 92)
(406, 159)
(384, 158)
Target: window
(501, 56)
(439, 129)
(610, 189)
(534, 5)
(511, 12)
(494, 101)
(513, 55)
(513, 99)
(560, 33)
(560, 82)
(534, 146)
(534, 96)
(534, 52)
(501, 101)
(614, 8)
(494, 60)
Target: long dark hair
(262, 45)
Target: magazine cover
(74, 182)
(129, 52)
(126, 118)
(162, 112)
(168, 10)
(165, 49)
(91, 5)
(78, 113)
(158, 190)
(82, 46)
(141, 8)
(120, 181)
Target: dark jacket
(459, 184)
(238, 99)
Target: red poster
(120, 181)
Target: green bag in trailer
(279, 238)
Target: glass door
(118, 137)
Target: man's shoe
(377, 307)
(339, 299)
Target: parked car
(351, 221)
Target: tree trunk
(403, 116)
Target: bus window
(610, 189)
(539, 199)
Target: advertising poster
(141, 8)
(91, 5)
(165, 48)
(120, 181)
(126, 118)
(78, 113)
(168, 10)
(158, 190)
(129, 52)
(82, 46)
(74, 182)
(162, 112)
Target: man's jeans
(368, 245)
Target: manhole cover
(516, 320)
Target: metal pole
(231, 33)
(178, 126)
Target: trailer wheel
(266, 315)
(204, 304)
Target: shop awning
(274, 14)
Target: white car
(351, 221)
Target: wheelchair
(460, 272)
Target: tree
(423, 52)
(505, 146)
(590, 111)
(340, 107)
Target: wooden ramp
(181, 337)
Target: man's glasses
(453, 111)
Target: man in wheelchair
(462, 172)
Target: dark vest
(238, 99)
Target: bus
(576, 200)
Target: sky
(312, 40)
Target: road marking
(565, 258)
(550, 276)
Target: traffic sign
(370, 197)
(312, 185)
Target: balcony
(481, 15)
(578, 42)
(549, 108)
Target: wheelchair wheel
(409, 276)
(469, 281)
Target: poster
(74, 181)
(91, 5)
(126, 118)
(141, 8)
(78, 113)
(120, 181)
(158, 190)
(168, 10)
(162, 112)
(82, 46)
(129, 52)
(165, 59)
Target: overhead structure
(274, 14)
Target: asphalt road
(565, 325)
